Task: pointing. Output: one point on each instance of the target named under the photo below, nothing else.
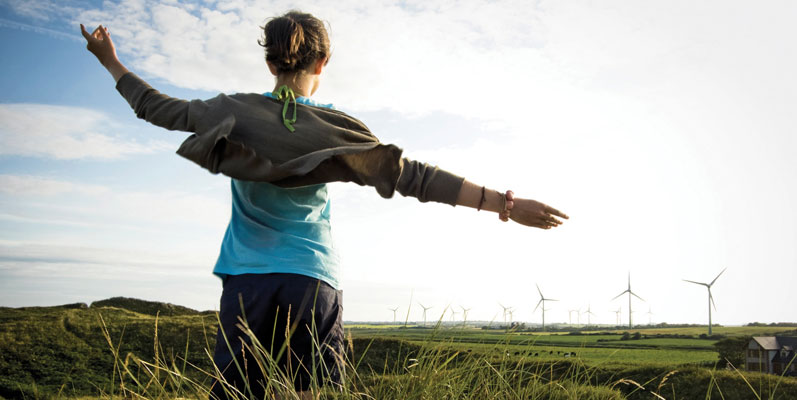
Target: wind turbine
(542, 301)
(424, 312)
(511, 312)
(453, 315)
(617, 315)
(464, 314)
(506, 310)
(710, 298)
(650, 314)
(630, 293)
(589, 312)
(394, 313)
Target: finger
(553, 221)
(551, 210)
(104, 32)
(85, 33)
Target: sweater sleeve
(428, 183)
(159, 109)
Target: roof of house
(780, 357)
(776, 342)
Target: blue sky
(665, 130)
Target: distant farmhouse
(772, 354)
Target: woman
(277, 262)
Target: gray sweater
(243, 136)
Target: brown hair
(294, 41)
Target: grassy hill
(68, 349)
(147, 307)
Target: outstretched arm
(429, 183)
(99, 43)
(523, 211)
(149, 104)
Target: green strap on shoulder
(286, 96)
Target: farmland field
(592, 348)
(116, 348)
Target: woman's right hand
(100, 44)
(535, 214)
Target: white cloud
(37, 9)
(41, 186)
(84, 204)
(66, 133)
(39, 29)
(48, 273)
(505, 61)
(49, 258)
(424, 56)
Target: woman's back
(280, 230)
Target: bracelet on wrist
(507, 202)
(481, 201)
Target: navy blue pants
(298, 321)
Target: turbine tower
(570, 316)
(630, 293)
(710, 298)
(542, 301)
(394, 313)
(589, 312)
(617, 315)
(424, 312)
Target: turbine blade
(551, 300)
(538, 289)
(696, 283)
(635, 295)
(624, 292)
(715, 279)
(538, 306)
(711, 298)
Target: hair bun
(294, 41)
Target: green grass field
(591, 348)
(122, 350)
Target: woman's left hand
(535, 214)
